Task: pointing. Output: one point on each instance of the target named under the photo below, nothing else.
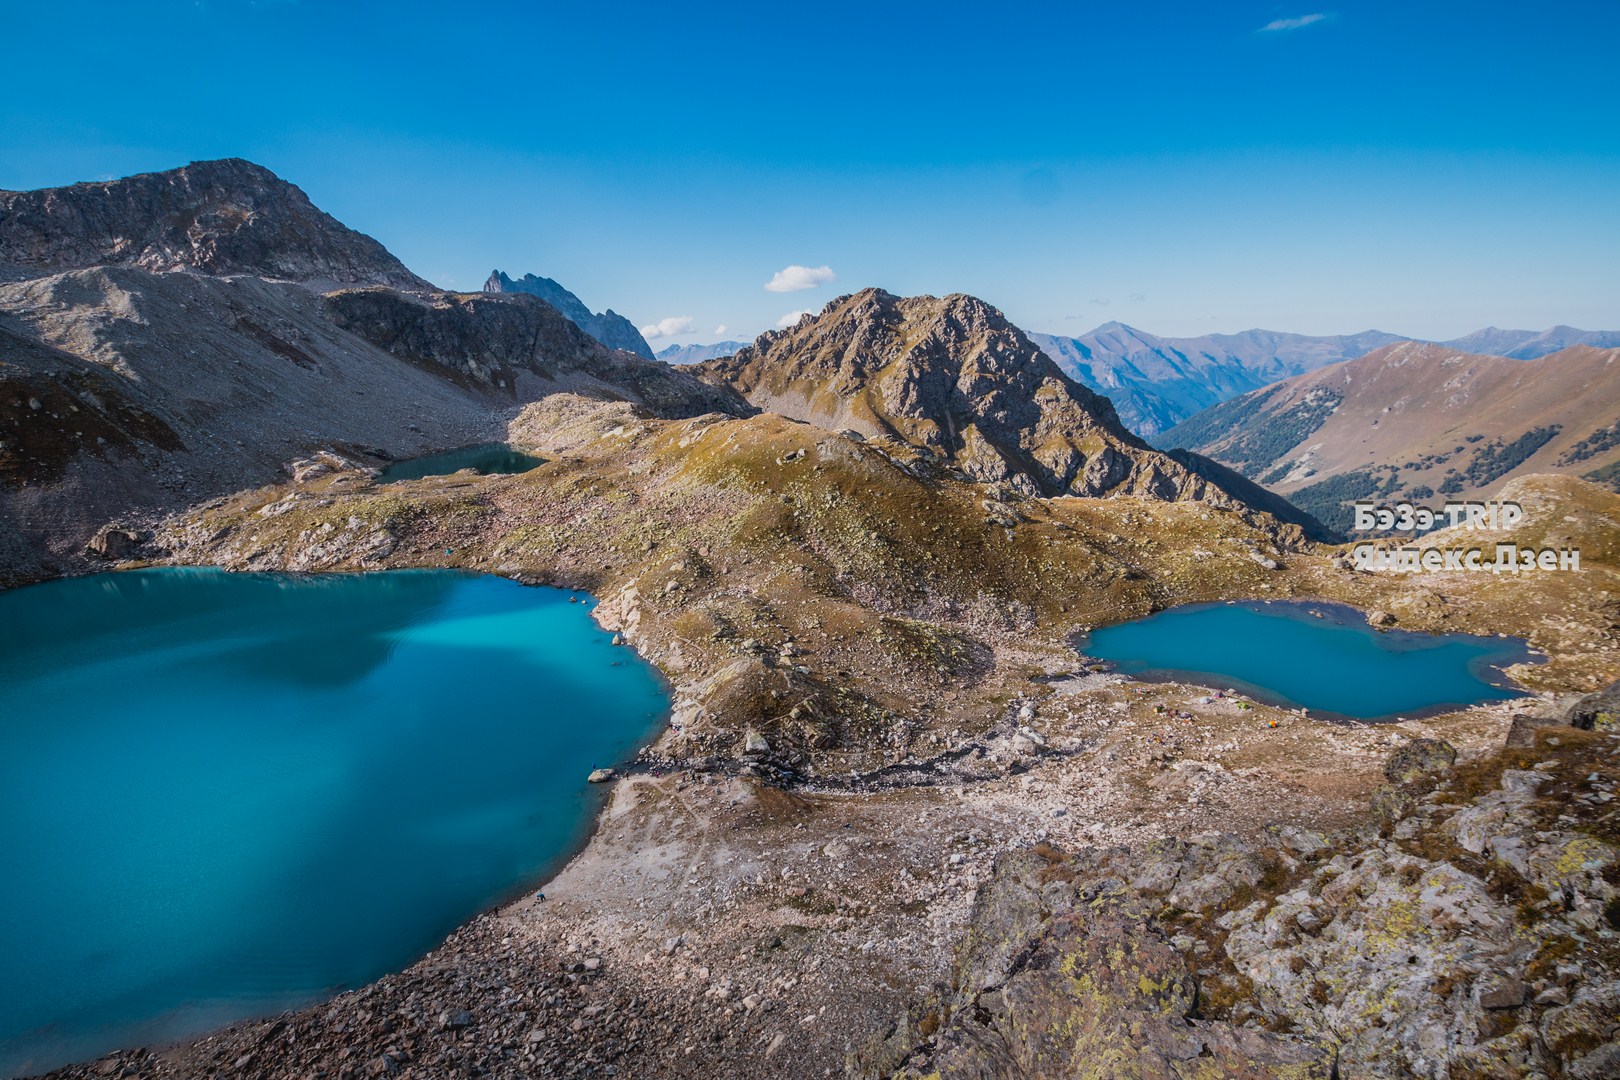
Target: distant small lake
(225, 795)
(487, 459)
(1335, 664)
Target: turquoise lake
(224, 795)
(487, 459)
(1335, 664)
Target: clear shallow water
(486, 459)
(222, 795)
(1281, 654)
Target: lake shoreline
(746, 928)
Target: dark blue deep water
(486, 459)
(1337, 665)
(223, 795)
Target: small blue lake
(224, 795)
(488, 459)
(1330, 663)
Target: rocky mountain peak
(609, 327)
(954, 378)
(213, 217)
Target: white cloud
(720, 331)
(1293, 24)
(675, 324)
(794, 278)
(792, 318)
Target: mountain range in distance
(1418, 421)
(608, 327)
(175, 336)
(697, 354)
(1158, 382)
(952, 378)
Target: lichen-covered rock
(1599, 711)
(1482, 939)
(1095, 990)
(1419, 758)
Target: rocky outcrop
(1075, 974)
(609, 327)
(1474, 933)
(955, 379)
(1596, 712)
(125, 393)
(498, 339)
(170, 340)
(211, 217)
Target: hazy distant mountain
(609, 327)
(696, 354)
(1418, 421)
(1157, 382)
(1531, 344)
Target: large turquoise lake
(223, 795)
(1330, 662)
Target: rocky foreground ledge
(1471, 930)
(1468, 927)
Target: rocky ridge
(954, 379)
(217, 328)
(609, 327)
(211, 217)
(1419, 422)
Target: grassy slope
(715, 541)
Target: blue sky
(1424, 168)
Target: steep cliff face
(609, 327)
(212, 217)
(499, 340)
(955, 378)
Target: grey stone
(1499, 992)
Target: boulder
(114, 543)
(1419, 758)
(601, 776)
(1499, 992)
(1380, 618)
(1596, 712)
(1523, 730)
(1391, 803)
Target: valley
(1418, 422)
(896, 826)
